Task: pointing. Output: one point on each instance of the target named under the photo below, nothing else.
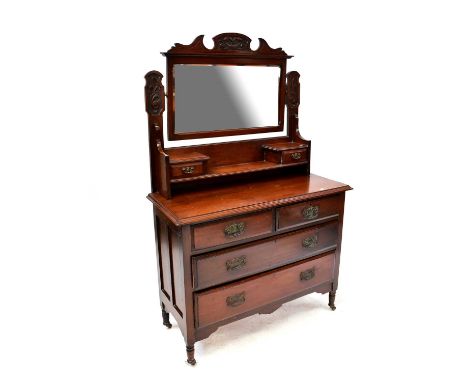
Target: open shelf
(235, 169)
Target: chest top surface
(232, 199)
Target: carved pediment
(227, 44)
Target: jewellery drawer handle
(296, 156)
(307, 274)
(236, 263)
(310, 242)
(188, 170)
(236, 299)
(310, 212)
(235, 229)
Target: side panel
(178, 272)
(171, 270)
(165, 259)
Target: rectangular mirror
(220, 100)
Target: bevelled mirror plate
(212, 98)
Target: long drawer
(236, 298)
(232, 264)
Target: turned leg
(331, 300)
(191, 354)
(165, 317)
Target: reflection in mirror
(219, 97)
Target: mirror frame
(229, 49)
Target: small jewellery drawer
(236, 298)
(185, 170)
(304, 213)
(228, 265)
(294, 156)
(232, 229)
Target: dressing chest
(241, 226)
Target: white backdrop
(384, 99)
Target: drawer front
(185, 170)
(231, 230)
(304, 213)
(294, 156)
(220, 267)
(240, 297)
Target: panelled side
(171, 270)
(165, 259)
(178, 287)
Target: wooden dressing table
(241, 227)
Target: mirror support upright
(155, 106)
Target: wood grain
(293, 215)
(234, 199)
(213, 234)
(212, 269)
(289, 156)
(180, 170)
(211, 306)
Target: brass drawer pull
(188, 170)
(234, 230)
(311, 212)
(307, 274)
(310, 242)
(236, 263)
(296, 156)
(236, 299)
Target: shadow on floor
(295, 310)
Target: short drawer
(222, 303)
(294, 156)
(299, 214)
(232, 264)
(232, 229)
(185, 170)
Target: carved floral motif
(293, 89)
(232, 42)
(154, 91)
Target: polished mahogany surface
(241, 227)
(210, 306)
(234, 263)
(205, 204)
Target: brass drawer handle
(310, 212)
(236, 263)
(296, 156)
(188, 170)
(307, 274)
(234, 230)
(236, 299)
(310, 242)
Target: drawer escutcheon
(310, 242)
(307, 274)
(234, 230)
(236, 263)
(311, 212)
(296, 156)
(188, 170)
(236, 299)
